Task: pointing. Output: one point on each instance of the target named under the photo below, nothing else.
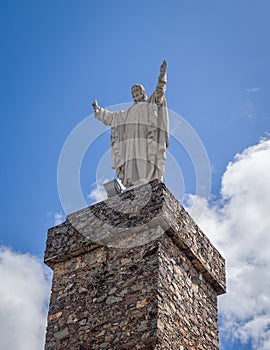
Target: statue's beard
(140, 98)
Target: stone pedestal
(133, 272)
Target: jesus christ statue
(139, 134)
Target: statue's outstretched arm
(161, 85)
(107, 117)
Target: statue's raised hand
(163, 67)
(95, 105)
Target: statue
(139, 134)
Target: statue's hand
(163, 67)
(95, 105)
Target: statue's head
(138, 93)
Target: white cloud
(252, 90)
(24, 292)
(58, 218)
(98, 193)
(239, 225)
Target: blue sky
(56, 56)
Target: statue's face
(138, 93)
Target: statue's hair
(138, 85)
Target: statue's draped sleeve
(160, 89)
(158, 139)
(117, 122)
(110, 118)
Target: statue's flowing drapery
(139, 138)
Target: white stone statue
(139, 134)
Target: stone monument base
(133, 272)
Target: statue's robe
(139, 138)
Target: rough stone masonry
(133, 272)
